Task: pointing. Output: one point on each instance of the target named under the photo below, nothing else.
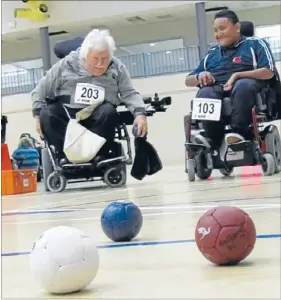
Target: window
(271, 33)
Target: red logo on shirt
(237, 60)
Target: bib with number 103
(206, 109)
(88, 94)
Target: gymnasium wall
(165, 129)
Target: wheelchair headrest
(247, 28)
(63, 48)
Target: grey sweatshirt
(62, 78)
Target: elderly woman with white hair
(89, 74)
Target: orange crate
(18, 182)
(5, 158)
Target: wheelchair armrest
(261, 102)
(147, 100)
(126, 117)
(265, 101)
(226, 107)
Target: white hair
(97, 40)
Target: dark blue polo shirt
(248, 54)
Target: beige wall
(165, 129)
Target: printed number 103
(206, 108)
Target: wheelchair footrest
(194, 146)
(72, 165)
(241, 146)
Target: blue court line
(55, 211)
(18, 213)
(149, 243)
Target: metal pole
(45, 48)
(201, 28)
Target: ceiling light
(152, 44)
(168, 52)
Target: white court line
(92, 193)
(98, 218)
(62, 195)
(87, 191)
(47, 205)
(170, 207)
(127, 190)
(136, 187)
(85, 195)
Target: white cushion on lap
(80, 144)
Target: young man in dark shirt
(238, 67)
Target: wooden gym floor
(164, 261)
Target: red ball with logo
(225, 235)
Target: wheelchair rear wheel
(47, 167)
(273, 145)
(115, 176)
(190, 169)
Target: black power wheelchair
(112, 170)
(264, 149)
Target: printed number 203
(90, 93)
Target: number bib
(88, 94)
(206, 109)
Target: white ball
(64, 260)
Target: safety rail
(139, 66)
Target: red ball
(225, 235)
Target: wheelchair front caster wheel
(115, 177)
(226, 172)
(268, 164)
(191, 170)
(56, 183)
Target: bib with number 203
(88, 94)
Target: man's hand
(38, 126)
(205, 79)
(141, 124)
(229, 85)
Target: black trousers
(243, 98)
(54, 120)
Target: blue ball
(121, 221)
(135, 130)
